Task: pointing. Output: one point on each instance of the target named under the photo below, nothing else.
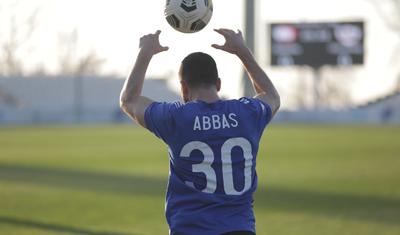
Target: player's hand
(234, 42)
(150, 44)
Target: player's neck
(208, 95)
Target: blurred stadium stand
(379, 111)
(36, 100)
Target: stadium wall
(385, 110)
(36, 100)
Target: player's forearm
(133, 85)
(263, 86)
(259, 78)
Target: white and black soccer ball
(188, 16)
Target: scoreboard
(317, 44)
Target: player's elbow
(122, 105)
(272, 99)
(278, 102)
(125, 103)
(124, 108)
(128, 108)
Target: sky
(112, 29)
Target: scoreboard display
(317, 44)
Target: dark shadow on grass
(52, 227)
(370, 208)
(90, 181)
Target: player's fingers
(216, 46)
(141, 42)
(240, 32)
(217, 30)
(221, 31)
(158, 32)
(228, 31)
(164, 48)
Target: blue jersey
(212, 150)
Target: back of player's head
(199, 70)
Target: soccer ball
(188, 16)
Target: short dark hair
(199, 69)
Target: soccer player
(212, 143)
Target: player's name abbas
(215, 122)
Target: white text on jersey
(215, 122)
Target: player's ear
(184, 89)
(218, 84)
(184, 85)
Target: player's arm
(131, 100)
(263, 86)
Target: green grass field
(111, 180)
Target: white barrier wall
(96, 100)
(68, 100)
(385, 110)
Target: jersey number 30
(226, 158)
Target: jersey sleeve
(262, 110)
(159, 119)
